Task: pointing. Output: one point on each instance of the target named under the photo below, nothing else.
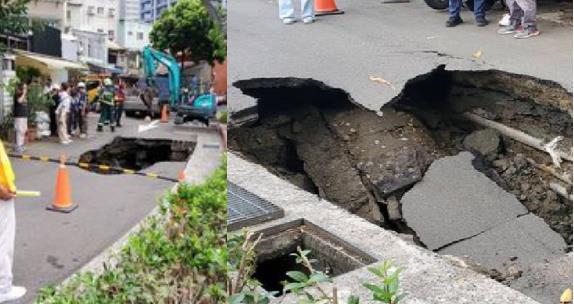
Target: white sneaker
(83, 135)
(288, 20)
(65, 142)
(15, 293)
(505, 21)
(308, 20)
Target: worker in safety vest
(106, 97)
(8, 292)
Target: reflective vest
(6, 173)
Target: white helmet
(81, 85)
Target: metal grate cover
(246, 209)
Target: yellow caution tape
(26, 157)
(83, 165)
(22, 193)
(104, 167)
(44, 158)
(128, 171)
(151, 175)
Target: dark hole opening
(137, 153)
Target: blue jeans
(454, 7)
(287, 10)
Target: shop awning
(51, 63)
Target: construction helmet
(81, 85)
(108, 82)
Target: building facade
(129, 10)
(150, 10)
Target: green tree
(13, 18)
(188, 28)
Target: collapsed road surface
(51, 246)
(422, 167)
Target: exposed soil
(315, 137)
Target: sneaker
(83, 135)
(16, 292)
(505, 20)
(481, 22)
(308, 20)
(100, 129)
(288, 20)
(528, 32)
(18, 150)
(119, 125)
(510, 29)
(113, 128)
(64, 142)
(453, 21)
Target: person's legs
(7, 235)
(83, 122)
(119, 114)
(104, 119)
(112, 117)
(20, 125)
(63, 128)
(528, 9)
(307, 10)
(480, 12)
(454, 7)
(516, 14)
(286, 10)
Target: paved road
(51, 246)
(394, 41)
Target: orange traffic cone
(326, 7)
(164, 116)
(63, 198)
(181, 177)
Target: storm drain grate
(246, 209)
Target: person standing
(62, 113)
(55, 96)
(8, 292)
(83, 110)
(106, 97)
(120, 97)
(21, 116)
(287, 11)
(454, 7)
(522, 19)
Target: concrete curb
(427, 278)
(193, 175)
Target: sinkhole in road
(317, 138)
(137, 153)
(328, 254)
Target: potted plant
(37, 102)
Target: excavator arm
(151, 58)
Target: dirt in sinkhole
(315, 137)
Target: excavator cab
(201, 108)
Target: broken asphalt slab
(454, 201)
(527, 240)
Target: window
(140, 36)
(130, 33)
(91, 10)
(100, 31)
(69, 15)
(111, 12)
(111, 35)
(100, 10)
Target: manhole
(331, 255)
(137, 153)
(246, 209)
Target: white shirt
(65, 103)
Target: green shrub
(178, 257)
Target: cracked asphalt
(393, 41)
